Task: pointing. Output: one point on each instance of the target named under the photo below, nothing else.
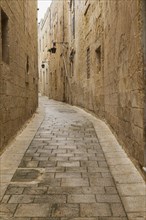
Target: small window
(72, 10)
(55, 80)
(88, 63)
(98, 56)
(5, 37)
(27, 65)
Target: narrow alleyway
(68, 172)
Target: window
(88, 63)
(55, 80)
(27, 70)
(72, 9)
(5, 37)
(27, 65)
(98, 56)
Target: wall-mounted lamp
(43, 65)
(53, 49)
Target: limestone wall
(18, 76)
(123, 73)
(104, 62)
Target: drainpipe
(64, 59)
(63, 21)
(144, 58)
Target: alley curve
(68, 172)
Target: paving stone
(49, 182)
(21, 199)
(29, 164)
(14, 218)
(45, 218)
(101, 181)
(93, 190)
(5, 199)
(89, 163)
(98, 169)
(112, 218)
(47, 175)
(69, 164)
(108, 198)
(81, 199)
(63, 159)
(137, 216)
(96, 158)
(80, 218)
(68, 147)
(110, 190)
(102, 164)
(76, 169)
(68, 175)
(47, 164)
(35, 190)
(128, 178)
(32, 155)
(50, 147)
(54, 169)
(27, 158)
(117, 210)
(65, 155)
(65, 190)
(59, 151)
(107, 174)
(132, 189)
(95, 209)
(75, 151)
(33, 210)
(5, 178)
(75, 182)
(49, 155)
(50, 199)
(7, 210)
(65, 210)
(82, 158)
(95, 175)
(14, 190)
(40, 158)
(44, 151)
(134, 203)
(25, 175)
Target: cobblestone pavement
(64, 174)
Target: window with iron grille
(88, 63)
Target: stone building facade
(18, 65)
(104, 65)
(43, 44)
(53, 33)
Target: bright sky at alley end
(43, 5)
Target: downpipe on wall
(144, 58)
